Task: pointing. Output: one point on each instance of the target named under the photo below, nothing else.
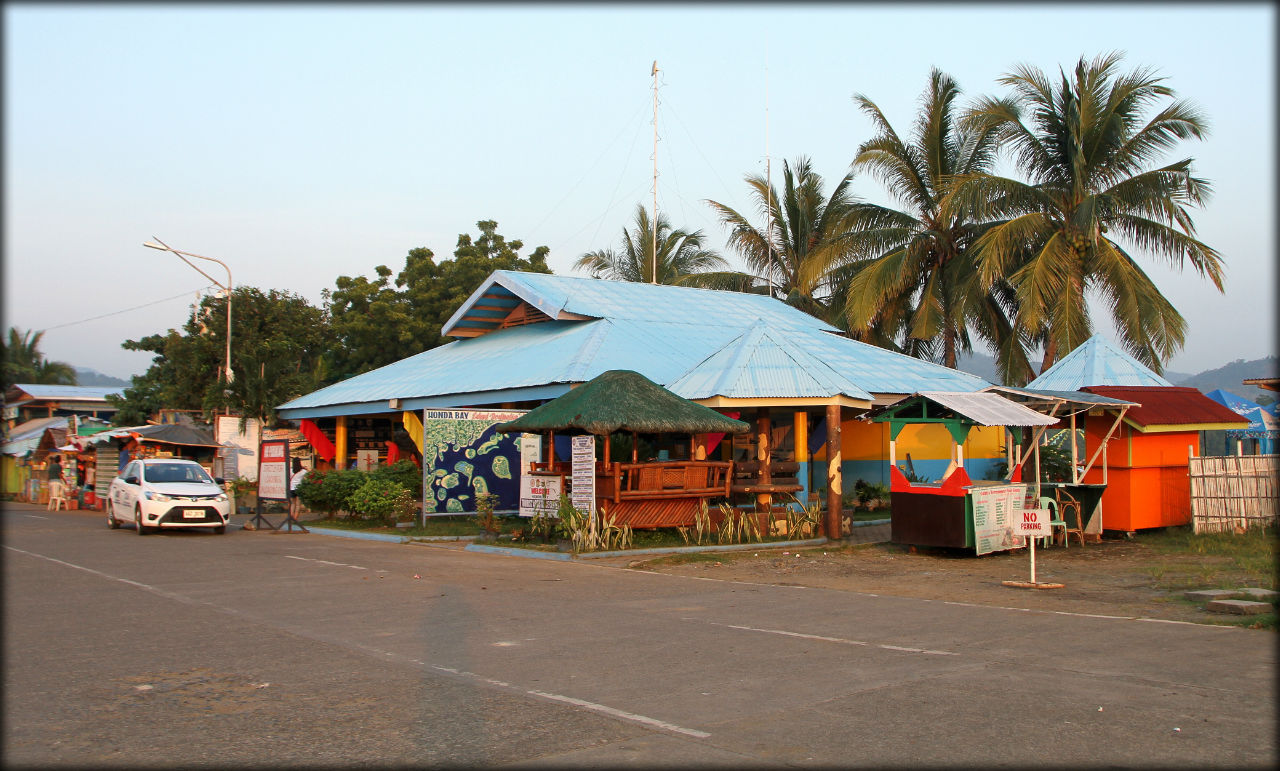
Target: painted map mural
(463, 456)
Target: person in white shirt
(298, 473)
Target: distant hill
(91, 377)
(1228, 377)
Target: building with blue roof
(1096, 362)
(28, 401)
(525, 338)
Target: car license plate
(193, 513)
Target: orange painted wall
(1147, 480)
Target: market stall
(955, 511)
(1073, 411)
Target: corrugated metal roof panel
(756, 364)
(68, 392)
(1170, 406)
(1096, 362)
(989, 409)
(1078, 397)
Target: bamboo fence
(1233, 493)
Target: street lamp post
(162, 246)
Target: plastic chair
(1054, 521)
(57, 496)
(1071, 516)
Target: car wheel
(137, 521)
(220, 529)
(112, 522)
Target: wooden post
(764, 432)
(635, 447)
(340, 443)
(801, 434)
(834, 492)
(700, 447)
(551, 449)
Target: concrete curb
(514, 552)
(358, 534)
(870, 522)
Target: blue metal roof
(69, 392)
(761, 363)
(662, 332)
(1096, 362)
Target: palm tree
(1087, 154)
(807, 228)
(24, 363)
(680, 254)
(912, 283)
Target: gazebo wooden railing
(658, 494)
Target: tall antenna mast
(768, 178)
(654, 224)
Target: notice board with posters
(273, 470)
(463, 456)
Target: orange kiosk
(1145, 465)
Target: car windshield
(175, 472)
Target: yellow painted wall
(870, 441)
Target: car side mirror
(219, 481)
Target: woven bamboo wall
(1232, 493)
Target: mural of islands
(464, 458)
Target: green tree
(1088, 153)
(680, 254)
(375, 324)
(913, 284)
(278, 342)
(24, 363)
(807, 230)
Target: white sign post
(1032, 524)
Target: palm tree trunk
(1050, 355)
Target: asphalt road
(262, 649)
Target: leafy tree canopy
(278, 342)
(375, 323)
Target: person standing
(55, 469)
(298, 473)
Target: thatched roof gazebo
(639, 494)
(623, 400)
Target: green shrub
(329, 491)
(405, 473)
(380, 500)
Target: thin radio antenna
(654, 224)
(768, 178)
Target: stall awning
(980, 408)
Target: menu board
(582, 483)
(994, 507)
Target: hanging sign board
(582, 484)
(273, 470)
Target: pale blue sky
(298, 143)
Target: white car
(167, 493)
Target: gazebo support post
(834, 492)
(340, 443)
(764, 501)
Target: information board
(539, 494)
(993, 509)
(582, 484)
(464, 456)
(273, 470)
